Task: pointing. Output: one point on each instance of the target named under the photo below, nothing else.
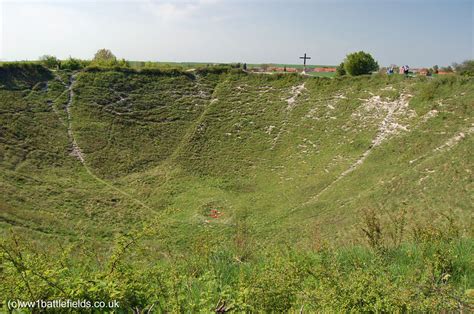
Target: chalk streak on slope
(388, 127)
(291, 102)
(77, 152)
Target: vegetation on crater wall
(247, 188)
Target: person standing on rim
(406, 69)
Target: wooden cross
(304, 61)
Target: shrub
(72, 64)
(373, 229)
(359, 63)
(424, 276)
(50, 62)
(447, 69)
(104, 57)
(123, 63)
(340, 70)
(274, 286)
(465, 68)
(218, 69)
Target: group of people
(403, 70)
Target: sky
(413, 32)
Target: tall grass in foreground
(430, 272)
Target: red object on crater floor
(215, 213)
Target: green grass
(165, 64)
(322, 74)
(163, 148)
(172, 147)
(288, 65)
(430, 274)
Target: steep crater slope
(209, 152)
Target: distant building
(423, 71)
(291, 70)
(324, 70)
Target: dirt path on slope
(75, 149)
(395, 113)
(77, 152)
(195, 126)
(446, 146)
(387, 128)
(450, 143)
(165, 168)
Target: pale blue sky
(417, 32)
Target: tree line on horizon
(355, 64)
